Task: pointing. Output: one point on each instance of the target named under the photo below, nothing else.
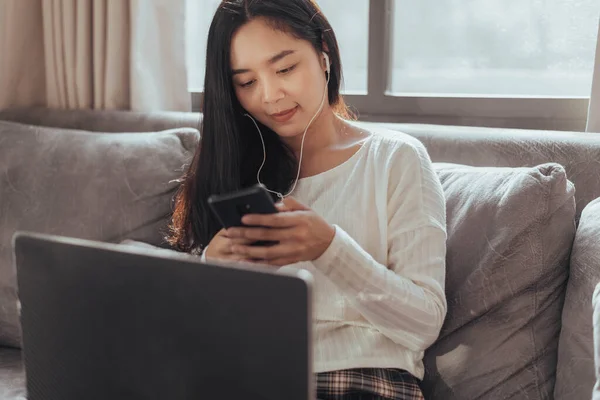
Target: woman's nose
(271, 91)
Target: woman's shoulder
(409, 172)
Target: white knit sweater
(379, 298)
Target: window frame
(545, 113)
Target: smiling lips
(284, 116)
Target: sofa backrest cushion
(510, 232)
(103, 120)
(98, 186)
(577, 152)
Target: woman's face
(278, 78)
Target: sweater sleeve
(405, 299)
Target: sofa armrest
(596, 327)
(578, 367)
(12, 375)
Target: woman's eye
(281, 71)
(286, 70)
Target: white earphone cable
(281, 197)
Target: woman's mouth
(285, 115)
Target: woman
(367, 216)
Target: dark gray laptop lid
(103, 321)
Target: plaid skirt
(368, 384)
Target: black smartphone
(231, 207)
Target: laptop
(109, 321)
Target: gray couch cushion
(575, 373)
(596, 331)
(510, 232)
(97, 186)
(12, 375)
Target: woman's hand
(220, 247)
(302, 235)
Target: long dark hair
(230, 150)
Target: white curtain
(21, 53)
(593, 123)
(95, 54)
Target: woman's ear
(324, 44)
(325, 54)
(326, 58)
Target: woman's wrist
(328, 237)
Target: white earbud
(326, 61)
(281, 196)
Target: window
(350, 24)
(199, 14)
(541, 48)
(514, 63)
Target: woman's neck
(322, 133)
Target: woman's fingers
(225, 245)
(277, 220)
(290, 203)
(281, 207)
(265, 253)
(242, 241)
(254, 234)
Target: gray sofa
(523, 219)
